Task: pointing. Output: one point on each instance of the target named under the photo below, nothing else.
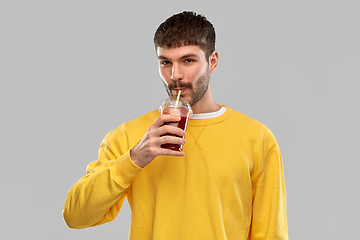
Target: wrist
(134, 159)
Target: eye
(165, 62)
(188, 60)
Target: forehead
(178, 52)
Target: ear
(213, 61)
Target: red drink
(181, 124)
(176, 106)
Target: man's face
(184, 68)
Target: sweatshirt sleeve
(97, 197)
(269, 219)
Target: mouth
(175, 91)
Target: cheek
(163, 75)
(198, 72)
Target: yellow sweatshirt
(229, 185)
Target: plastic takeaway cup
(180, 107)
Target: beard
(197, 89)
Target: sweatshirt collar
(218, 113)
(212, 118)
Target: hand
(149, 146)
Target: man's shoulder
(133, 129)
(249, 124)
(147, 117)
(244, 119)
(144, 120)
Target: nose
(176, 72)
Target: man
(228, 181)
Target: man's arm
(269, 219)
(97, 197)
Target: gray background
(73, 70)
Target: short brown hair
(186, 28)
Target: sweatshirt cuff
(124, 169)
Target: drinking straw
(178, 98)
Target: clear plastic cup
(176, 107)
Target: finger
(166, 118)
(168, 139)
(168, 129)
(169, 152)
(154, 134)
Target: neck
(206, 104)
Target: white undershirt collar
(198, 116)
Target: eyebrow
(182, 57)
